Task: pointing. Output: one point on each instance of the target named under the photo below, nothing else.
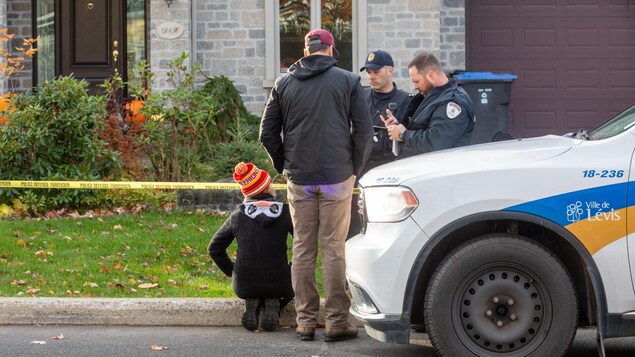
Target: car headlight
(388, 203)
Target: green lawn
(152, 254)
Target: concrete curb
(134, 312)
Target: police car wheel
(501, 294)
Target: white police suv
(501, 249)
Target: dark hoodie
(322, 114)
(260, 227)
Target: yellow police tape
(128, 185)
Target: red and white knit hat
(251, 179)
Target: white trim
(360, 36)
(316, 14)
(271, 41)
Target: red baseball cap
(319, 36)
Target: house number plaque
(170, 30)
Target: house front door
(91, 40)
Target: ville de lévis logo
(592, 211)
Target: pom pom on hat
(251, 179)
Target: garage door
(575, 59)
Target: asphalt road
(98, 341)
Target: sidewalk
(134, 312)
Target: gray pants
(323, 209)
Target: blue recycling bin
(490, 92)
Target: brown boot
(346, 332)
(305, 333)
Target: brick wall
(161, 51)
(230, 41)
(453, 34)
(403, 28)
(18, 15)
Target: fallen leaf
(33, 291)
(40, 253)
(148, 285)
(60, 337)
(159, 348)
(21, 243)
(118, 227)
(38, 342)
(201, 230)
(92, 285)
(18, 282)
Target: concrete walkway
(133, 312)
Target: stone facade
(453, 35)
(227, 37)
(162, 51)
(230, 41)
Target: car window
(619, 124)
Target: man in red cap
(317, 130)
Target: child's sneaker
(250, 316)
(271, 316)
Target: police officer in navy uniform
(445, 117)
(385, 98)
(382, 95)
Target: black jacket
(443, 120)
(378, 103)
(260, 227)
(315, 126)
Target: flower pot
(132, 111)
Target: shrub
(241, 147)
(119, 134)
(52, 135)
(186, 124)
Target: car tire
(501, 294)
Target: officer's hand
(394, 130)
(389, 119)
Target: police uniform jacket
(378, 103)
(443, 120)
(315, 126)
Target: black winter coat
(260, 227)
(315, 126)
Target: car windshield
(619, 124)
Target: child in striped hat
(261, 274)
